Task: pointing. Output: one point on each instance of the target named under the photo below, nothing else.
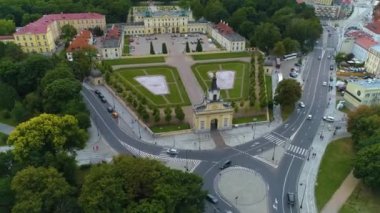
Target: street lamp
(236, 199)
(303, 196)
(139, 128)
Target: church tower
(214, 91)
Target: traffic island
(245, 189)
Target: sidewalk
(341, 195)
(6, 129)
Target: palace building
(40, 36)
(149, 20)
(213, 113)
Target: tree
(266, 35)
(7, 27)
(40, 190)
(8, 96)
(68, 32)
(291, 45)
(19, 112)
(340, 57)
(215, 11)
(59, 92)
(288, 92)
(61, 71)
(46, 135)
(367, 164)
(83, 62)
(179, 113)
(363, 123)
(187, 47)
(164, 49)
(197, 8)
(139, 185)
(152, 49)
(168, 114)
(279, 49)
(97, 31)
(199, 46)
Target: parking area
(175, 43)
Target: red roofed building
(41, 35)
(83, 40)
(6, 38)
(373, 29)
(361, 47)
(112, 43)
(227, 37)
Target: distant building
(81, 41)
(327, 11)
(361, 47)
(41, 36)
(372, 64)
(323, 2)
(112, 43)
(373, 29)
(362, 92)
(7, 38)
(148, 20)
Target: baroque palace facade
(149, 20)
(40, 36)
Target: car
(293, 74)
(172, 151)
(291, 198)
(328, 118)
(309, 117)
(331, 67)
(103, 100)
(115, 114)
(110, 109)
(329, 56)
(319, 57)
(324, 83)
(211, 198)
(226, 164)
(97, 92)
(301, 104)
(100, 95)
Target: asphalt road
(300, 131)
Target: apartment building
(362, 92)
(41, 36)
(372, 64)
(112, 43)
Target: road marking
(283, 186)
(275, 138)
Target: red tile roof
(80, 41)
(40, 26)
(299, 1)
(114, 32)
(374, 27)
(223, 28)
(365, 42)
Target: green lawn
(240, 88)
(177, 93)
(169, 127)
(126, 45)
(208, 56)
(335, 166)
(362, 200)
(3, 139)
(142, 60)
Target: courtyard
(160, 85)
(232, 78)
(175, 43)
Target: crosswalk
(297, 151)
(276, 138)
(162, 156)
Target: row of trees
(266, 23)
(33, 84)
(364, 125)
(164, 49)
(144, 108)
(252, 82)
(40, 175)
(261, 78)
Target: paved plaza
(175, 43)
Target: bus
(278, 63)
(280, 78)
(290, 56)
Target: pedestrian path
(276, 138)
(297, 151)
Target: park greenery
(287, 93)
(364, 125)
(32, 84)
(41, 175)
(7, 27)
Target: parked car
(331, 67)
(110, 109)
(324, 83)
(97, 92)
(103, 100)
(328, 118)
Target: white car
(324, 83)
(309, 117)
(301, 104)
(329, 118)
(172, 151)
